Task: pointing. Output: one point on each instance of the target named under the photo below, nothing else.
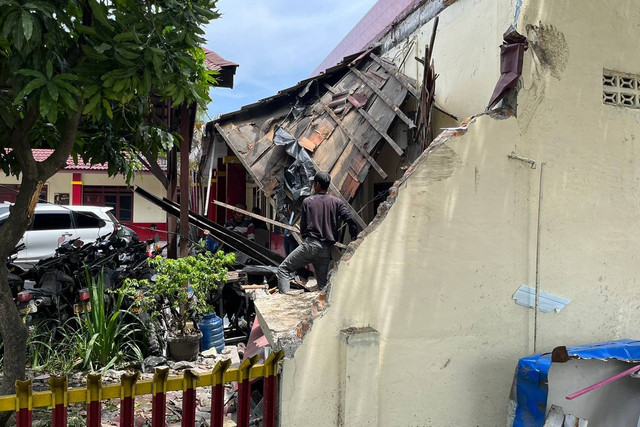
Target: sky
(276, 42)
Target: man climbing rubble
(319, 225)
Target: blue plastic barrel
(212, 333)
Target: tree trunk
(14, 332)
(34, 174)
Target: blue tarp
(532, 373)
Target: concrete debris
(212, 352)
(153, 361)
(183, 365)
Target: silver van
(53, 224)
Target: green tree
(82, 77)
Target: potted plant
(182, 287)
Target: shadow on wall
(422, 277)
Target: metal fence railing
(60, 396)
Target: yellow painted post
(59, 400)
(159, 390)
(94, 400)
(189, 385)
(244, 390)
(127, 397)
(217, 392)
(24, 403)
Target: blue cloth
(212, 245)
(532, 375)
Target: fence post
(217, 393)
(270, 388)
(189, 385)
(244, 390)
(94, 400)
(59, 401)
(127, 397)
(24, 403)
(159, 390)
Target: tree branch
(58, 160)
(155, 169)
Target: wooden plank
(397, 74)
(357, 143)
(291, 228)
(381, 131)
(384, 97)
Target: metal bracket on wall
(523, 159)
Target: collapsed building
(492, 214)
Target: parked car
(53, 224)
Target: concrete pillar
(359, 355)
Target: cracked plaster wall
(436, 276)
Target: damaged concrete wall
(436, 276)
(466, 53)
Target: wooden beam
(257, 216)
(291, 228)
(384, 97)
(355, 141)
(381, 131)
(397, 74)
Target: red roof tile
(215, 61)
(42, 154)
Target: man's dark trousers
(310, 251)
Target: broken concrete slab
(286, 319)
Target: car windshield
(113, 218)
(4, 210)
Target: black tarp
(297, 176)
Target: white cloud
(277, 43)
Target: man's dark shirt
(321, 217)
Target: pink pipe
(604, 382)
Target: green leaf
(91, 90)
(146, 80)
(31, 73)
(66, 76)
(100, 12)
(124, 37)
(157, 63)
(119, 85)
(107, 108)
(30, 87)
(127, 54)
(10, 23)
(89, 31)
(102, 48)
(124, 61)
(49, 70)
(92, 53)
(68, 99)
(27, 24)
(45, 103)
(53, 90)
(92, 104)
(69, 88)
